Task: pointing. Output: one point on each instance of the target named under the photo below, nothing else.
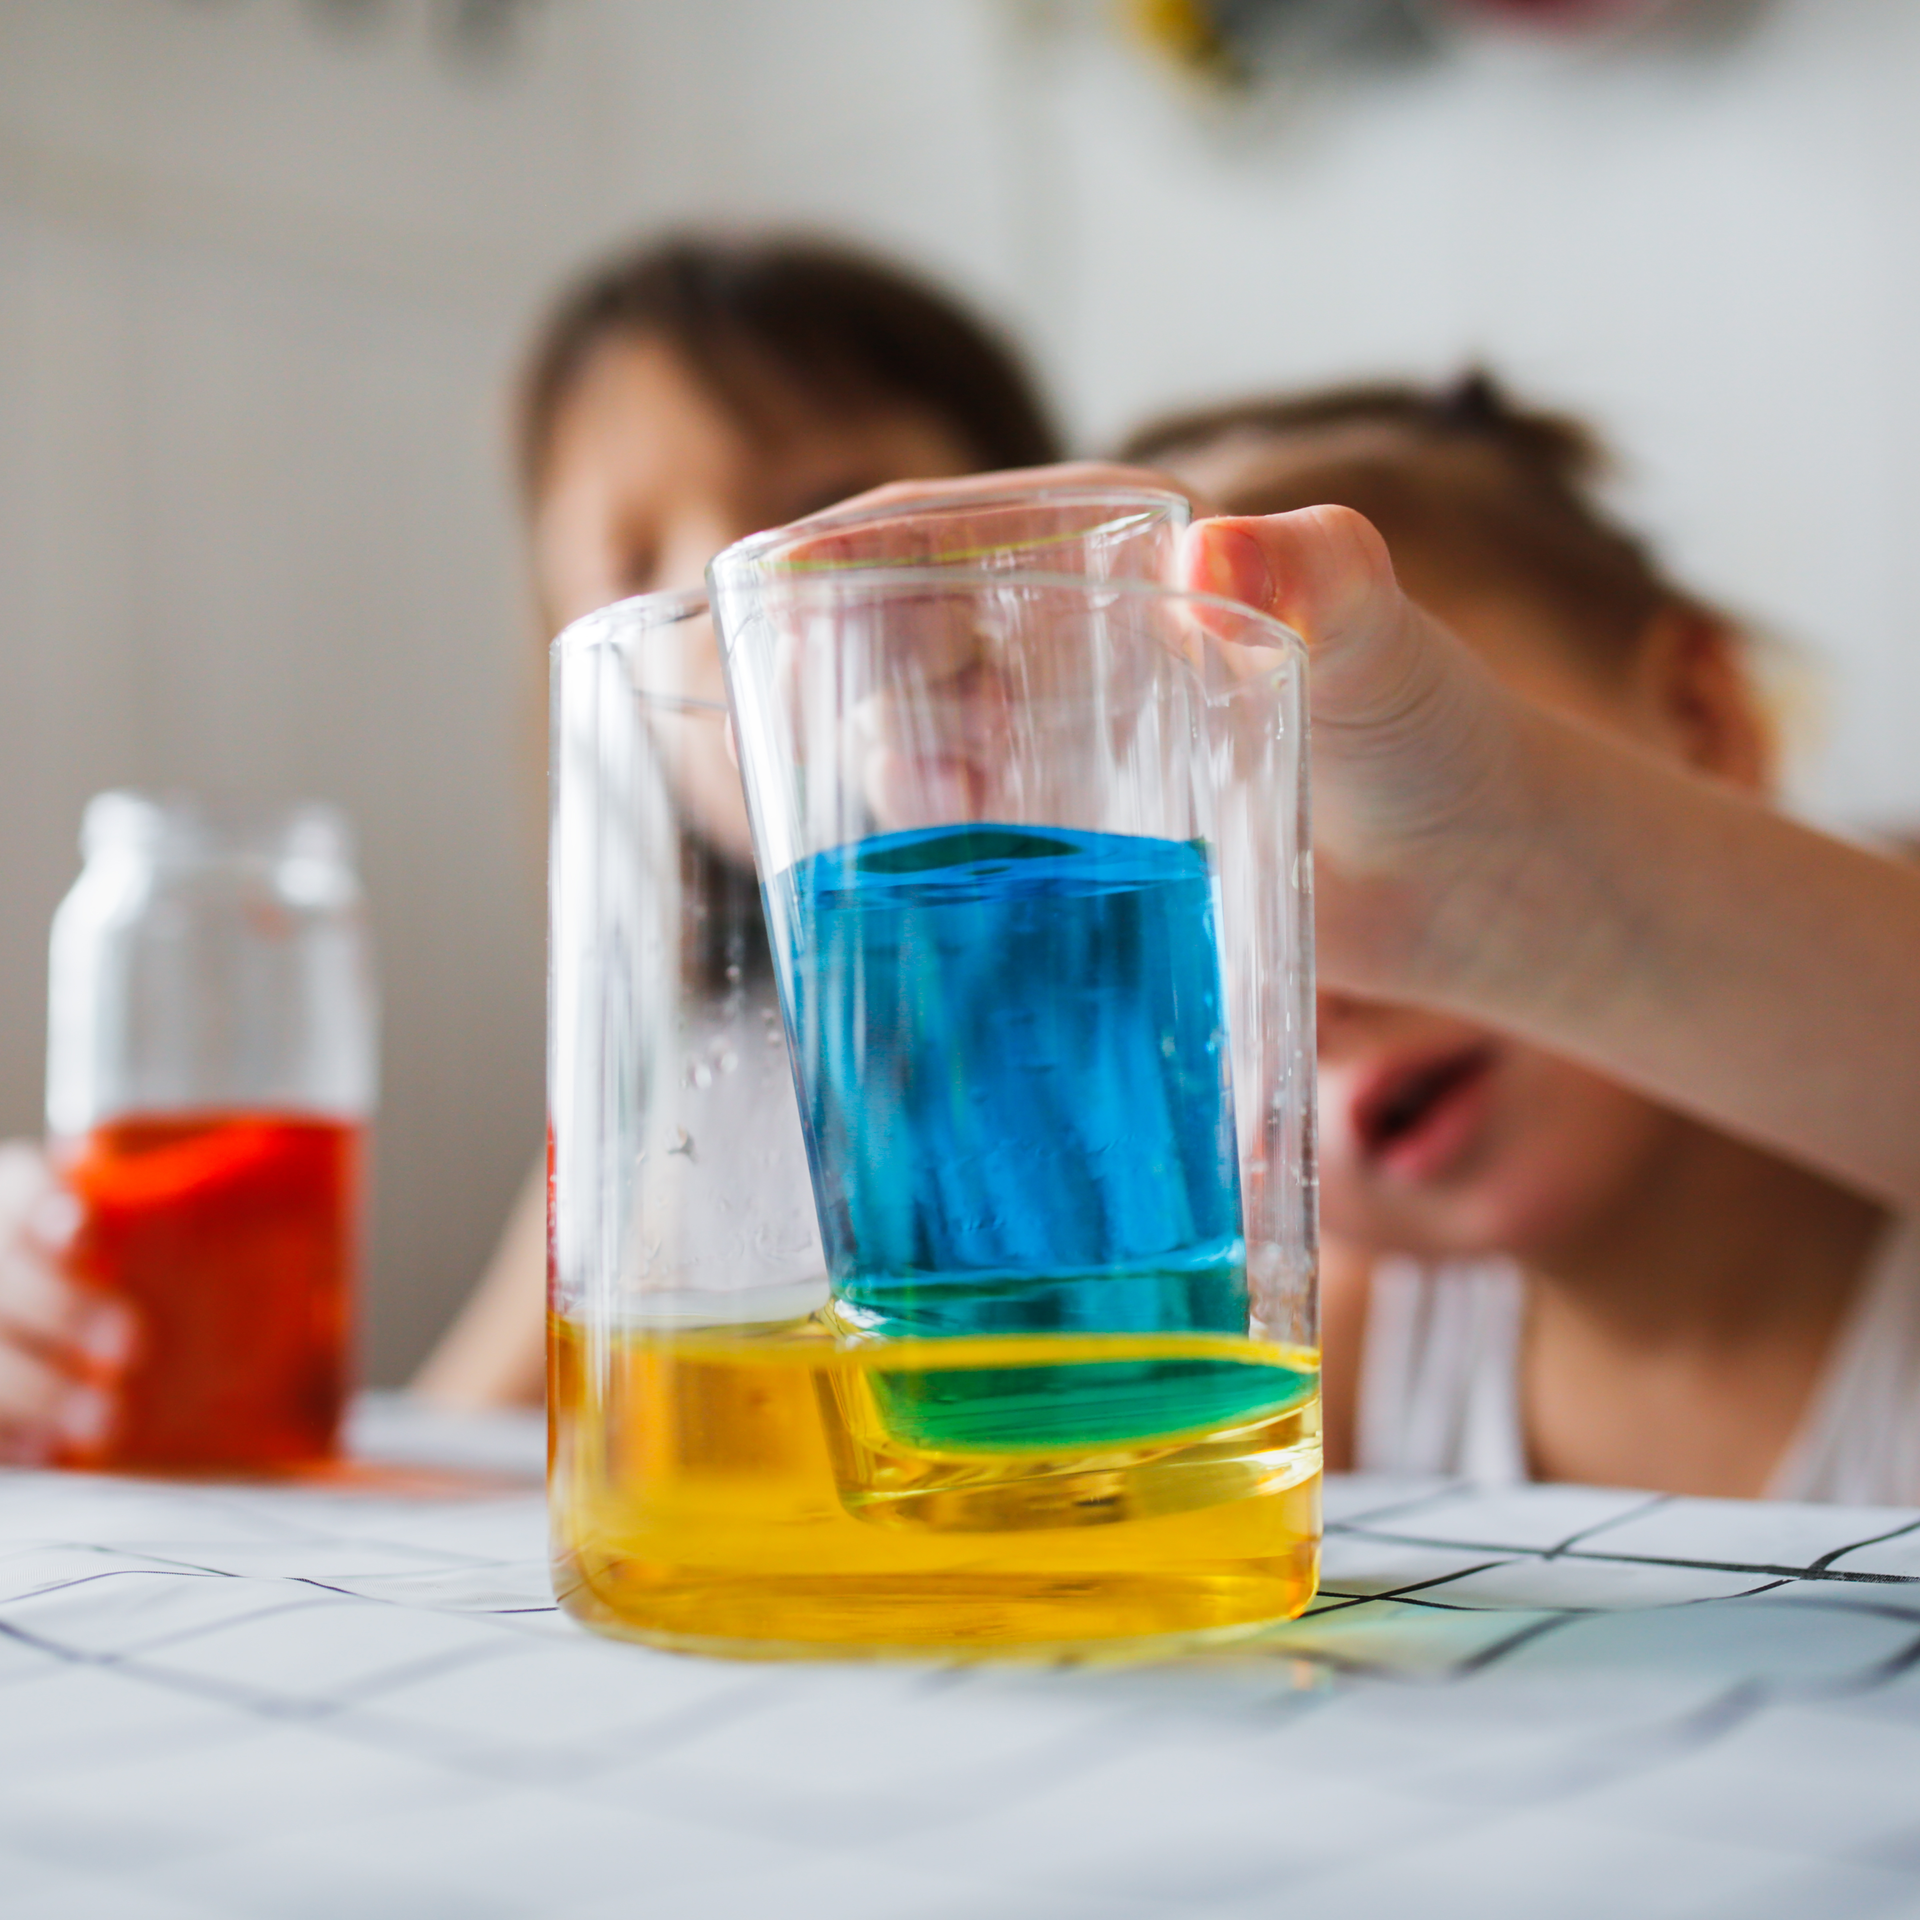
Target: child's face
(1442, 1139)
(650, 475)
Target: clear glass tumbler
(211, 1069)
(1032, 851)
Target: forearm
(1684, 939)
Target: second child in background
(1534, 1271)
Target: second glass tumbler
(1032, 850)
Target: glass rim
(875, 583)
(756, 550)
(663, 607)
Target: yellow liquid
(746, 1492)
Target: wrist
(1526, 925)
(1427, 774)
(1454, 856)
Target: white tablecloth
(345, 1703)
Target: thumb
(1413, 742)
(1326, 573)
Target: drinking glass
(933, 1220)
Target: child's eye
(639, 570)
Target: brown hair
(1460, 473)
(824, 318)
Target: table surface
(284, 1703)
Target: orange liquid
(233, 1236)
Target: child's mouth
(1415, 1119)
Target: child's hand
(62, 1346)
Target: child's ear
(1692, 675)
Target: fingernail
(82, 1417)
(1235, 565)
(107, 1335)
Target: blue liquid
(1011, 1049)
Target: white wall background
(261, 282)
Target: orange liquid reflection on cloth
(233, 1237)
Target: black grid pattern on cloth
(238, 1701)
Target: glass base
(706, 1612)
